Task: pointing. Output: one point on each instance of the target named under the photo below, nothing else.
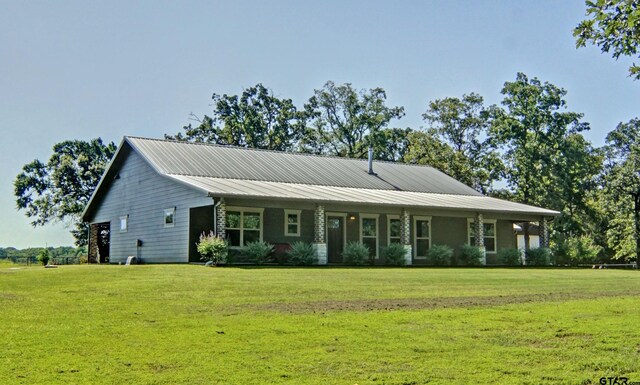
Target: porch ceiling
(324, 194)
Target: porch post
(478, 235)
(544, 232)
(221, 219)
(92, 249)
(405, 236)
(319, 243)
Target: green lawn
(179, 324)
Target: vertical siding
(142, 194)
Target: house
(157, 196)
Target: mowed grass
(185, 324)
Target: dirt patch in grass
(432, 303)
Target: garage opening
(99, 242)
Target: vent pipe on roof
(371, 161)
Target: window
(124, 223)
(243, 225)
(169, 217)
(393, 229)
(292, 223)
(369, 233)
(421, 236)
(489, 234)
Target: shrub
(257, 252)
(355, 254)
(470, 256)
(212, 248)
(576, 251)
(302, 253)
(394, 254)
(538, 257)
(43, 257)
(440, 255)
(509, 257)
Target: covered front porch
(329, 227)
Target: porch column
(544, 232)
(319, 242)
(221, 218)
(405, 236)
(92, 250)
(478, 235)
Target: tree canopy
(622, 188)
(345, 122)
(60, 189)
(463, 124)
(614, 26)
(255, 119)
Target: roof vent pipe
(371, 161)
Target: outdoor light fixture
(352, 218)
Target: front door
(335, 238)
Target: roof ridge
(297, 153)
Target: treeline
(32, 252)
(530, 144)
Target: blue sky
(79, 70)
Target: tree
(614, 26)
(462, 123)
(425, 148)
(622, 189)
(345, 122)
(60, 189)
(255, 119)
(529, 132)
(574, 176)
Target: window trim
(377, 218)
(417, 218)
(171, 210)
(297, 213)
(242, 210)
(391, 217)
(124, 218)
(494, 222)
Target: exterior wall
(274, 226)
(143, 195)
(447, 228)
(447, 231)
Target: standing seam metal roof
(216, 161)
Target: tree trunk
(525, 228)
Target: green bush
(538, 257)
(355, 254)
(302, 253)
(576, 251)
(470, 256)
(257, 252)
(212, 248)
(440, 255)
(509, 257)
(394, 254)
(43, 257)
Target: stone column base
(483, 250)
(408, 255)
(321, 253)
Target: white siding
(143, 195)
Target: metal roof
(207, 160)
(238, 172)
(321, 194)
